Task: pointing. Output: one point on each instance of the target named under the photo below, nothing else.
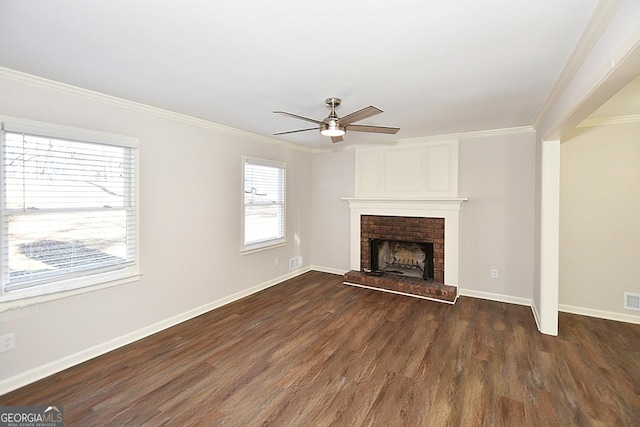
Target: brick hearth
(404, 285)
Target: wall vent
(631, 301)
(295, 262)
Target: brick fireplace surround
(409, 229)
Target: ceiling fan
(336, 127)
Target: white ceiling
(434, 67)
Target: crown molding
(607, 121)
(463, 135)
(497, 132)
(77, 92)
(600, 19)
(467, 135)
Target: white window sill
(251, 250)
(31, 296)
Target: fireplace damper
(411, 259)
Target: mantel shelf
(435, 203)
(406, 199)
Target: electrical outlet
(275, 261)
(7, 342)
(494, 273)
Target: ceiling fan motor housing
(331, 126)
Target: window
(264, 204)
(68, 203)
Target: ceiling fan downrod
(333, 104)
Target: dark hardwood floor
(313, 352)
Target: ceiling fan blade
(295, 116)
(374, 129)
(294, 131)
(360, 115)
(335, 139)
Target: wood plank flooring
(313, 352)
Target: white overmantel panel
(415, 179)
(418, 169)
(429, 207)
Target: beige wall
(497, 174)
(332, 178)
(600, 218)
(497, 224)
(190, 207)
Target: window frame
(271, 243)
(70, 285)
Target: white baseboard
(495, 297)
(536, 315)
(602, 314)
(330, 270)
(509, 300)
(59, 365)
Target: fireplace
(411, 221)
(410, 259)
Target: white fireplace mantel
(446, 203)
(428, 207)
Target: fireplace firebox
(409, 230)
(403, 258)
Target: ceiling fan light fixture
(333, 128)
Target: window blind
(264, 203)
(68, 206)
